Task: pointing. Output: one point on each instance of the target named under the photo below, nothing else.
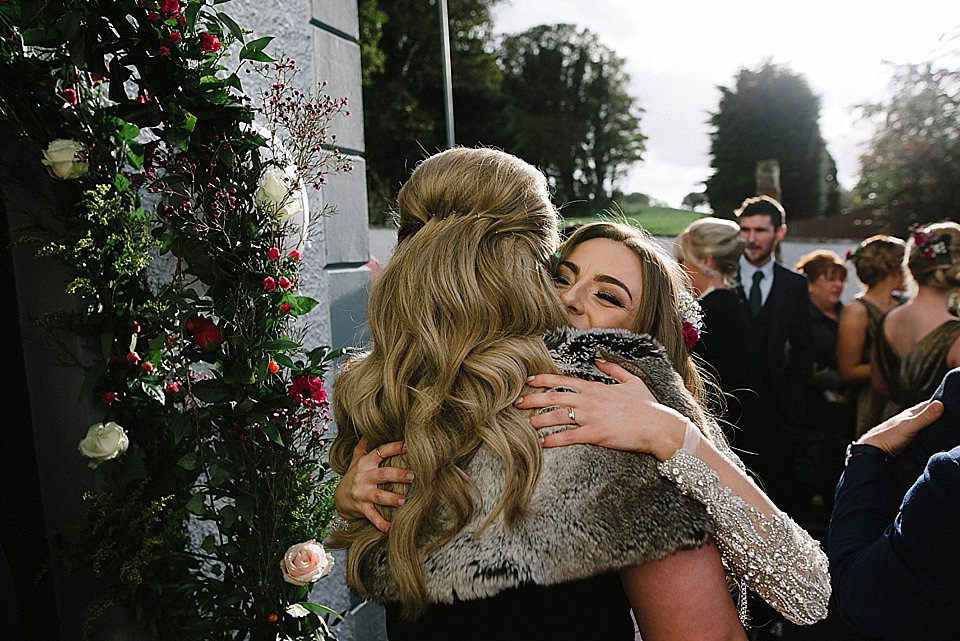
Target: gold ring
(379, 454)
(571, 415)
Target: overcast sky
(678, 51)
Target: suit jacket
(895, 573)
(782, 350)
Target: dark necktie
(756, 298)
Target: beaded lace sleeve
(774, 556)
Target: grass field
(659, 221)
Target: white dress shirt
(748, 269)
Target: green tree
(570, 112)
(403, 87)
(911, 171)
(771, 113)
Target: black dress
(526, 613)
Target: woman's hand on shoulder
(358, 493)
(622, 416)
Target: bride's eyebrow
(571, 266)
(604, 278)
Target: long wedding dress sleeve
(760, 545)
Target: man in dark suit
(781, 348)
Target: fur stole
(594, 510)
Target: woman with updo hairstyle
(920, 340)
(709, 249)
(878, 262)
(473, 384)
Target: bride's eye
(610, 298)
(560, 279)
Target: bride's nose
(572, 300)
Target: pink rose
(284, 283)
(109, 397)
(295, 255)
(133, 358)
(205, 332)
(163, 51)
(305, 563)
(273, 253)
(147, 367)
(70, 95)
(170, 7)
(269, 284)
(285, 308)
(173, 388)
(175, 37)
(209, 43)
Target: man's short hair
(763, 206)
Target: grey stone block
(338, 62)
(345, 231)
(348, 291)
(340, 16)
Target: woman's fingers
(386, 450)
(571, 437)
(559, 416)
(391, 475)
(546, 399)
(556, 380)
(375, 517)
(616, 372)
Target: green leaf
(285, 360)
(273, 433)
(125, 130)
(135, 154)
(181, 427)
(233, 80)
(218, 474)
(253, 50)
(212, 391)
(154, 391)
(188, 461)
(40, 36)
(189, 121)
(303, 304)
(209, 544)
(228, 517)
(316, 608)
(121, 182)
(197, 504)
(245, 506)
(280, 344)
(231, 25)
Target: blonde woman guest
(920, 340)
(709, 249)
(878, 262)
(496, 535)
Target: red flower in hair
(690, 334)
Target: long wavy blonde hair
(662, 281)
(456, 319)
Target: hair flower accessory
(853, 254)
(932, 249)
(691, 317)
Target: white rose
(277, 195)
(297, 611)
(63, 159)
(305, 563)
(103, 442)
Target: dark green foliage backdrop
(771, 113)
(553, 95)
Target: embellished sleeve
(774, 556)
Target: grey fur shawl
(594, 510)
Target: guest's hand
(894, 434)
(357, 491)
(623, 416)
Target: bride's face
(600, 283)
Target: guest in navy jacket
(895, 559)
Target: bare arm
(683, 596)
(851, 336)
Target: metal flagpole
(447, 74)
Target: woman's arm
(358, 494)
(683, 596)
(851, 336)
(774, 555)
